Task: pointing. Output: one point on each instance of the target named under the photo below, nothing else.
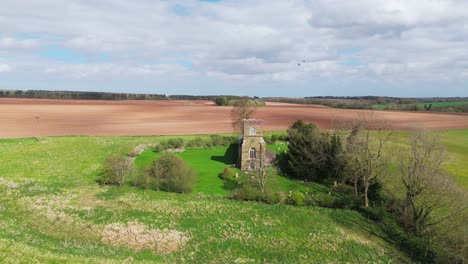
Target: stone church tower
(252, 147)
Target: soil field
(42, 117)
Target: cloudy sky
(249, 47)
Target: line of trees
(88, 95)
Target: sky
(404, 48)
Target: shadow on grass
(229, 157)
(387, 229)
(230, 185)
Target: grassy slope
(421, 105)
(51, 210)
(456, 143)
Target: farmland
(35, 117)
(421, 105)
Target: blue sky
(259, 47)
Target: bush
(248, 193)
(197, 142)
(296, 198)
(117, 169)
(172, 174)
(217, 140)
(228, 174)
(325, 200)
(146, 180)
(221, 101)
(172, 143)
(175, 143)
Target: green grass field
(52, 210)
(421, 105)
(209, 163)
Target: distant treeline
(42, 94)
(350, 103)
(439, 104)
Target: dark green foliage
(312, 154)
(79, 95)
(221, 101)
(427, 107)
(171, 173)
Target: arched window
(253, 131)
(252, 153)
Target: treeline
(335, 103)
(75, 95)
(378, 102)
(239, 102)
(78, 95)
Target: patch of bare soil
(138, 237)
(39, 118)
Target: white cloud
(260, 40)
(5, 68)
(12, 43)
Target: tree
(117, 169)
(307, 154)
(367, 158)
(243, 109)
(221, 101)
(428, 187)
(172, 174)
(261, 177)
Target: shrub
(221, 101)
(116, 170)
(228, 174)
(170, 143)
(146, 180)
(172, 174)
(248, 193)
(197, 142)
(296, 198)
(325, 200)
(217, 140)
(175, 143)
(159, 148)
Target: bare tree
(262, 176)
(365, 149)
(117, 169)
(243, 109)
(429, 189)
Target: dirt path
(35, 117)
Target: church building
(252, 147)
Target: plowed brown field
(37, 117)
